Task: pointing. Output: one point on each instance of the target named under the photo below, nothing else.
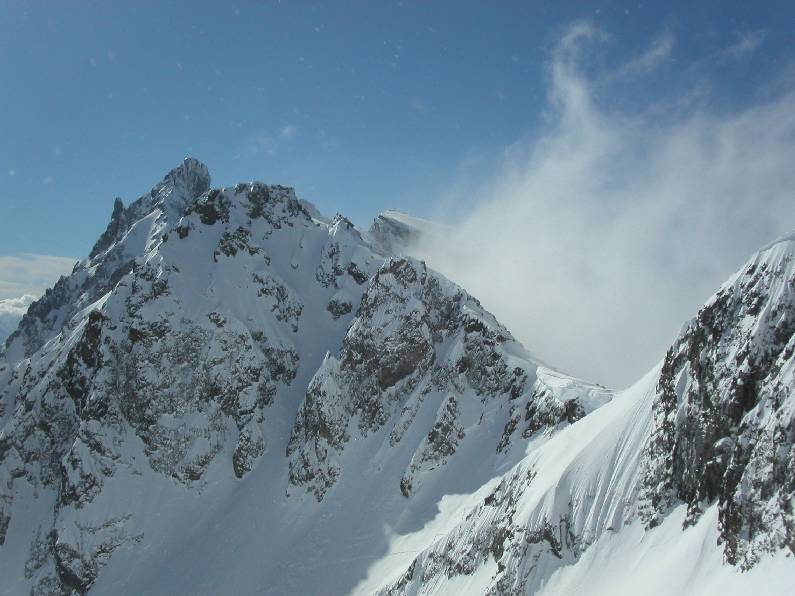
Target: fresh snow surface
(365, 534)
(517, 471)
(668, 561)
(592, 468)
(247, 538)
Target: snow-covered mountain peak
(690, 469)
(181, 186)
(786, 239)
(342, 226)
(230, 367)
(394, 232)
(130, 234)
(190, 178)
(178, 189)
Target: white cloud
(659, 51)
(594, 242)
(260, 144)
(288, 132)
(265, 143)
(16, 305)
(746, 44)
(28, 273)
(11, 311)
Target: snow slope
(235, 394)
(161, 384)
(689, 469)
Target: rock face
(229, 367)
(723, 416)
(709, 430)
(421, 353)
(395, 233)
(163, 351)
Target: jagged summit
(394, 232)
(191, 177)
(229, 367)
(179, 188)
(129, 234)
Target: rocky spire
(179, 188)
(118, 222)
(191, 178)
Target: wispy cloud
(595, 241)
(268, 143)
(28, 273)
(657, 53)
(260, 144)
(746, 44)
(288, 132)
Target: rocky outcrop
(394, 233)
(111, 258)
(710, 429)
(144, 361)
(723, 417)
(418, 343)
(230, 359)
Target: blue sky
(606, 165)
(361, 106)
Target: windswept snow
(235, 394)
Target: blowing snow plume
(594, 241)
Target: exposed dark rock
(721, 430)
(339, 309)
(117, 226)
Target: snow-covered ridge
(396, 233)
(422, 352)
(703, 445)
(235, 394)
(126, 238)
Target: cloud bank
(11, 311)
(594, 242)
(28, 273)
